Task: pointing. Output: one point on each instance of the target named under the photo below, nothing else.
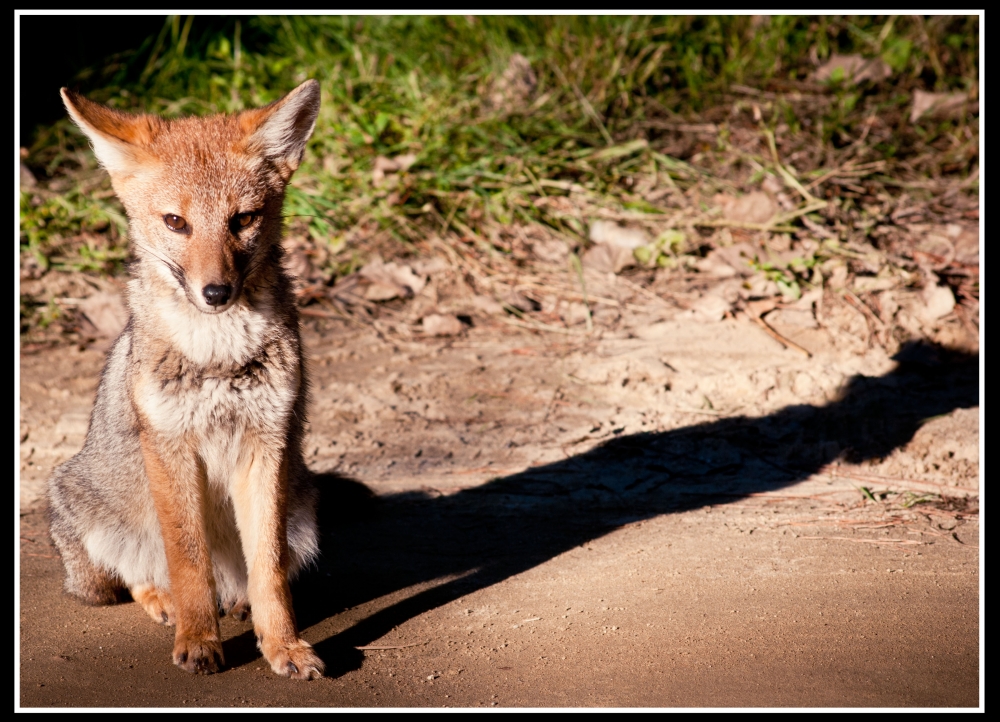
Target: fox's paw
(198, 656)
(239, 611)
(156, 602)
(296, 660)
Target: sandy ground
(670, 515)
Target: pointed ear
(118, 138)
(280, 130)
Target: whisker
(174, 268)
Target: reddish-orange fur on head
(208, 172)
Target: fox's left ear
(119, 139)
(280, 130)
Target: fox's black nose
(216, 295)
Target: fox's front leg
(260, 500)
(177, 483)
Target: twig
(834, 470)
(450, 218)
(708, 412)
(814, 205)
(639, 289)
(770, 227)
(876, 327)
(390, 646)
(865, 541)
(848, 168)
(819, 230)
(538, 326)
(587, 107)
(787, 343)
(578, 267)
(789, 179)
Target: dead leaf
(442, 325)
(553, 251)
(760, 307)
(106, 312)
(715, 265)
(28, 180)
(738, 256)
(936, 105)
(937, 244)
(573, 313)
(853, 69)
(389, 280)
(710, 307)
(298, 265)
(384, 166)
(516, 300)
(794, 317)
(430, 266)
(607, 258)
(486, 306)
(756, 207)
(966, 242)
(377, 291)
(514, 88)
(939, 301)
(609, 232)
(349, 289)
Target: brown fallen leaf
(513, 88)
(853, 69)
(429, 266)
(573, 313)
(106, 313)
(384, 166)
(936, 105)
(553, 251)
(966, 242)
(939, 301)
(442, 325)
(610, 233)
(515, 299)
(607, 258)
(486, 306)
(710, 307)
(350, 289)
(27, 178)
(715, 265)
(738, 256)
(390, 280)
(755, 207)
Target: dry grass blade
(900, 542)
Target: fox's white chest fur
(228, 380)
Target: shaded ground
(672, 513)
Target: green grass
(417, 85)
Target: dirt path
(667, 516)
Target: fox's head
(203, 195)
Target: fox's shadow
(483, 535)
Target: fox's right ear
(118, 138)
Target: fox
(191, 493)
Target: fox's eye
(175, 223)
(240, 221)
